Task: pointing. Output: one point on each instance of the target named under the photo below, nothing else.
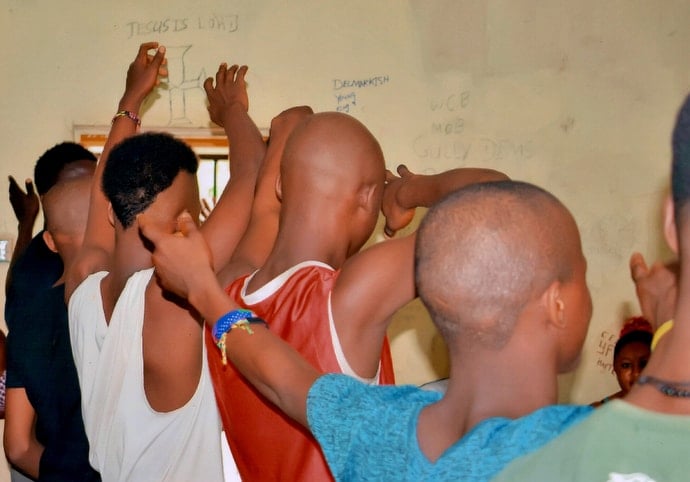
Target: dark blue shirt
(39, 359)
(38, 268)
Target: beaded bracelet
(129, 114)
(670, 389)
(241, 319)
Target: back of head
(140, 168)
(333, 162)
(331, 152)
(50, 165)
(66, 209)
(485, 251)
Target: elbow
(15, 450)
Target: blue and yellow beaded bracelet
(231, 320)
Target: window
(210, 144)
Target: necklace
(670, 389)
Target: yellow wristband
(660, 332)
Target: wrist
(231, 113)
(209, 299)
(130, 104)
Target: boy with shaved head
(319, 294)
(501, 270)
(44, 431)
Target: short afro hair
(636, 336)
(140, 168)
(50, 164)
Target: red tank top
(268, 445)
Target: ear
(366, 194)
(279, 187)
(555, 306)
(111, 215)
(50, 242)
(670, 232)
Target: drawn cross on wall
(179, 84)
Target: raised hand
(656, 288)
(182, 259)
(230, 89)
(24, 204)
(397, 216)
(143, 75)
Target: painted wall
(578, 97)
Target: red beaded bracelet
(129, 114)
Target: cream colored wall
(578, 97)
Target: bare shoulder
(90, 260)
(376, 282)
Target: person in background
(33, 265)
(34, 268)
(630, 355)
(44, 432)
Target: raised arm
(407, 191)
(99, 238)
(228, 107)
(183, 266)
(25, 206)
(378, 281)
(256, 244)
(656, 287)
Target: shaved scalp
(331, 152)
(485, 251)
(66, 206)
(333, 169)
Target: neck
(318, 237)
(485, 384)
(671, 358)
(503, 384)
(129, 256)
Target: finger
(158, 58)
(638, 267)
(185, 224)
(208, 85)
(241, 72)
(13, 184)
(388, 232)
(148, 229)
(390, 176)
(403, 170)
(29, 187)
(144, 50)
(232, 71)
(221, 73)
